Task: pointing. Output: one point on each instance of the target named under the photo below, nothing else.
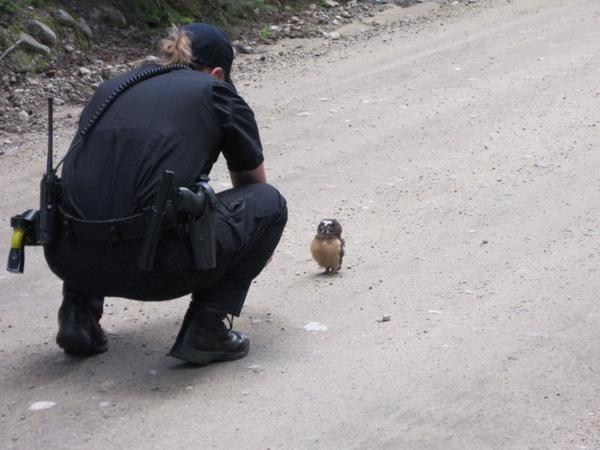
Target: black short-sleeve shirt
(179, 121)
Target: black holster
(200, 205)
(197, 206)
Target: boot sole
(72, 345)
(202, 358)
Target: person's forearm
(257, 175)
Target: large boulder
(113, 16)
(84, 27)
(41, 32)
(28, 43)
(63, 18)
(29, 56)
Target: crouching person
(180, 118)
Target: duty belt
(191, 211)
(113, 230)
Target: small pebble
(39, 406)
(315, 326)
(255, 368)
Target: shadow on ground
(136, 363)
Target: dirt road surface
(461, 156)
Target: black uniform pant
(249, 221)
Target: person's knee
(272, 203)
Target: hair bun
(176, 48)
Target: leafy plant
(265, 33)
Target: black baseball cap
(211, 47)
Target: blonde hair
(176, 48)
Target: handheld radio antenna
(49, 162)
(49, 191)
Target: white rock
(39, 406)
(23, 116)
(315, 326)
(84, 71)
(245, 48)
(255, 368)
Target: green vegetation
(147, 15)
(265, 33)
(81, 40)
(10, 6)
(159, 13)
(15, 6)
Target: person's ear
(218, 73)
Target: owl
(327, 247)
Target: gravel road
(460, 154)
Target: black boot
(79, 332)
(204, 338)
